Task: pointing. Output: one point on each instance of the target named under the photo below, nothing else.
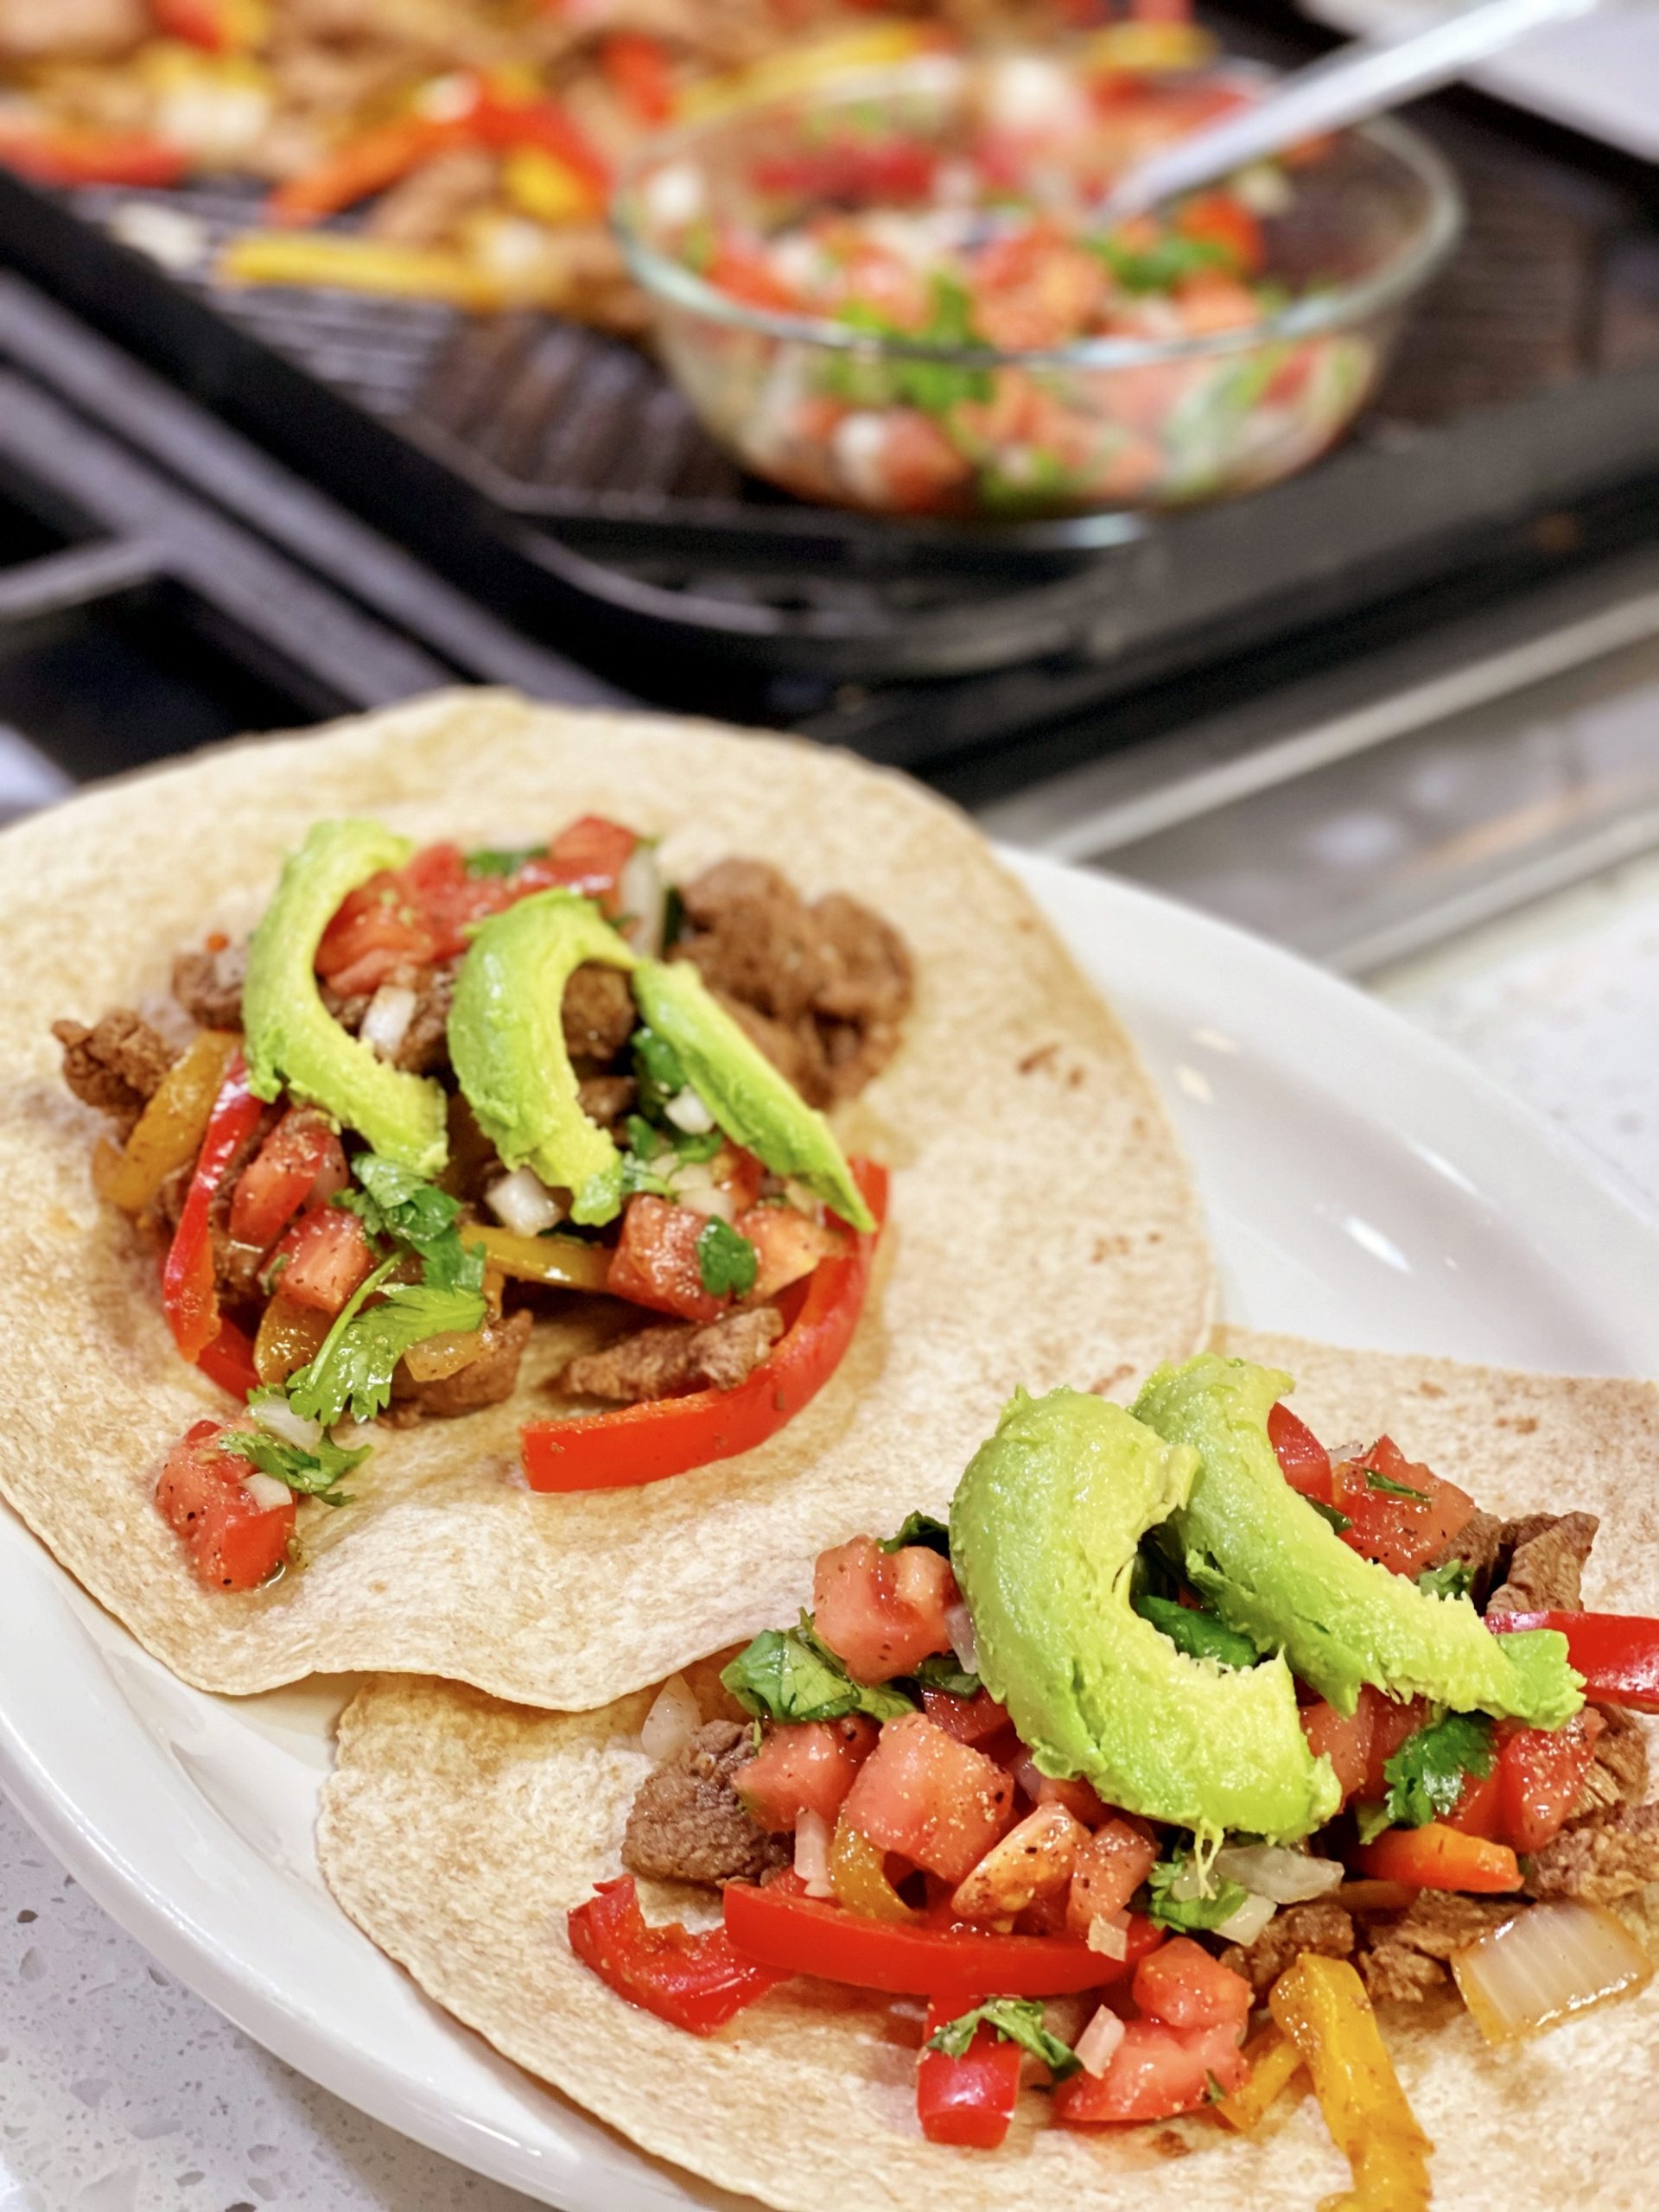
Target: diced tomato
(805, 1766)
(788, 1246)
(968, 2100)
(377, 929)
(324, 1257)
(1540, 1778)
(1478, 1811)
(589, 856)
(1155, 2073)
(1106, 1873)
(1392, 1721)
(1345, 1738)
(936, 1803)
(449, 901)
(1222, 220)
(301, 1160)
(1436, 1857)
(697, 1982)
(234, 1543)
(919, 467)
(1080, 1798)
(739, 1173)
(749, 277)
(882, 1613)
(1185, 1986)
(970, 1719)
(1304, 1460)
(1401, 1532)
(655, 1263)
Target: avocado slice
(754, 1105)
(1277, 1572)
(291, 1037)
(506, 1040)
(1044, 1531)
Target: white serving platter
(1364, 1186)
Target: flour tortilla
(1044, 1225)
(456, 1832)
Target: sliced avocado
(1277, 1572)
(506, 1039)
(1044, 1531)
(754, 1105)
(291, 1037)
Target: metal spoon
(1357, 81)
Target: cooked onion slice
(672, 1721)
(385, 1024)
(1247, 1923)
(642, 895)
(1548, 1963)
(523, 1203)
(959, 1627)
(1098, 2041)
(1270, 1869)
(812, 1853)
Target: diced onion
(264, 1490)
(812, 1852)
(1547, 1964)
(642, 896)
(1247, 1923)
(959, 1627)
(1097, 2044)
(1271, 1870)
(278, 1419)
(1029, 1776)
(523, 1203)
(385, 1024)
(1109, 1934)
(672, 1721)
(695, 1187)
(687, 1111)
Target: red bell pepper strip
(970, 2099)
(54, 152)
(189, 1296)
(1436, 1857)
(198, 23)
(636, 68)
(364, 165)
(497, 122)
(668, 1436)
(697, 1982)
(780, 1927)
(1618, 1654)
(228, 1360)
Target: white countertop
(121, 2092)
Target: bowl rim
(667, 280)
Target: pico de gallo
(881, 1794)
(439, 1093)
(978, 238)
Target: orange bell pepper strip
(54, 153)
(205, 23)
(669, 1436)
(858, 1875)
(363, 165)
(1274, 2061)
(189, 1293)
(1321, 2005)
(1436, 1857)
(168, 1132)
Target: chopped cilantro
(1454, 1578)
(1200, 1635)
(727, 1261)
(673, 917)
(932, 386)
(1161, 267)
(394, 1202)
(1333, 1513)
(1016, 2019)
(657, 1070)
(921, 1528)
(1208, 1911)
(1426, 1774)
(314, 1473)
(354, 1366)
(501, 860)
(1388, 1488)
(789, 1674)
(939, 1671)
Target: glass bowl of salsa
(893, 292)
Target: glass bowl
(897, 424)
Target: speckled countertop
(121, 2092)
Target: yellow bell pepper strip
(363, 165)
(1273, 2061)
(562, 1262)
(216, 26)
(1142, 47)
(799, 68)
(58, 153)
(858, 1875)
(539, 184)
(1321, 2005)
(331, 261)
(170, 1130)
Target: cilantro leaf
(1454, 1578)
(501, 860)
(1016, 2019)
(934, 386)
(1161, 267)
(354, 1366)
(1200, 1635)
(728, 1262)
(315, 1474)
(1425, 1776)
(1333, 1513)
(1388, 1488)
(395, 1202)
(939, 1671)
(789, 1674)
(921, 1528)
(1171, 1910)
(657, 1070)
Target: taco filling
(435, 1091)
(1185, 1740)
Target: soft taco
(1190, 1762)
(464, 1249)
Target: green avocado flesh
(290, 1036)
(507, 1041)
(754, 1105)
(1277, 1572)
(1044, 1532)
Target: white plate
(1364, 1186)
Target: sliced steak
(1619, 1773)
(752, 937)
(1395, 1974)
(686, 1824)
(1601, 1861)
(1439, 1921)
(870, 985)
(1479, 1545)
(795, 1049)
(485, 1381)
(660, 1362)
(1320, 1927)
(116, 1065)
(1547, 1553)
(208, 984)
(606, 1098)
(598, 1013)
(425, 1043)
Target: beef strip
(116, 1065)
(1439, 1922)
(1479, 1545)
(485, 1381)
(752, 937)
(867, 993)
(1599, 1860)
(658, 1362)
(598, 1013)
(1393, 1973)
(1619, 1773)
(1319, 1927)
(1547, 1553)
(208, 984)
(425, 1043)
(795, 1049)
(686, 1824)
(606, 1098)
